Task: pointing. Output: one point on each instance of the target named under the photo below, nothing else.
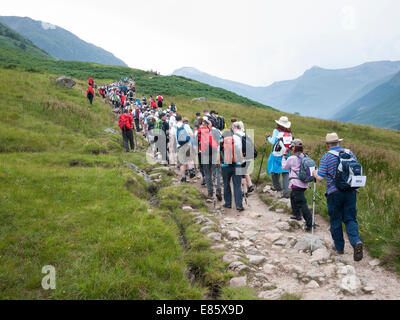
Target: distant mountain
(378, 107)
(58, 42)
(318, 92)
(11, 39)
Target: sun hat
(332, 137)
(284, 122)
(296, 143)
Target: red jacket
(125, 121)
(90, 89)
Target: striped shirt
(327, 169)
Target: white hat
(284, 122)
(332, 137)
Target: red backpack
(124, 122)
(90, 89)
(206, 139)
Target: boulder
(283, 226)
(320, 255)
(271, 295)
(346, 270)
(238, 266)
(312, 285)
(249, 234)
(229, 258)
(281, 242)
(113, 131)
(350, 284)
(187, 208)
(269, 268)
(272, 237)
(200, 99)
(65, 82)
(256, 260)
(304, 243)
(374, 263)
(368, 290)
(215, 236)
(238, 282)
(232, 235)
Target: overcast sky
(254, 41)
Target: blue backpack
(182, 136)
(348, 172)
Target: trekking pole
(262, 161)
(313, 215)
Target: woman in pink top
(297, 198)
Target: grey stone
(256, 260)
(320, 255)
(232, 235)
(281, 242)
(250, 234)
(113, 131)
(261, 275)
(206, 228)
(374, 263)
(305, 242)
(65, 82)
(271, 295)
(230, 258)
(238, 266)
(238, 282)
(272, 237)
(268, 286)
(368, 290)
(346, 270)
(215, 236)
(186, 208)
(350, 284)
(312, 285)
(269, 268)
(201, 99)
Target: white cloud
(348, 18)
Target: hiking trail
(268, 251)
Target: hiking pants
(277, 184)
(342, 208)
(201, 166)
(217, 177)
(299, 205)
(159, 103)
(229, 173)
(127, 136)
(209, 169)
(90, 97)
(137, 124)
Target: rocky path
(270, 253)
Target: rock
(283, 226)
(65, 82)
(232, 235)
(350, 284)
(368, 290)
(271, 295)
(329, 271)
(246, 243)
(295, 224)
(200, 99)
(346, 270)
(238, 229)
(256, 260)
(314, 274)
(215, 236)
(249, 234)
(209, 201)
(312, 285)
(374, 263)
(206, 228)
(269, 268)
(187, 208)
(230, 258)
(291, 268)
(162, 169)
(261, 275)
(268, 286)
(238, 266)
(238, 282)
(266, 189)
(304, 243)
(320, 255)
(281, 242)
(113, 131)
(272, 237)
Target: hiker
(210, 116)
(342, 205)
(172, 107)
(90, 94)
(221, 126)
(144, 100)
(230, 158)
(160, 100)
(153, 104)
(162, 144)
(136, 118)
(202, 128)
(196, 121)
(281, 140)
(298, 187)
(126, 124)
(209, 149)
(183, 137)
(217, 168)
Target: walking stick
(313, 214)
(262, 161)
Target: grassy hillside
(11, 39)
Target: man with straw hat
(342, 205)
(281, 139)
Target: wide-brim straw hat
(284, 122)
(332, 137)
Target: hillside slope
(58, 42)
(379, 107)
(13, 40)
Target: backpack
(283, 143)
(246, 140)
(220, 123)
(124, 122)
(172, 107)
(182, 135)
(348, 172)
(307, 166)
(228, 151)
(213, 120)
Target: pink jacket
(293, 164)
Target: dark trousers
(137, 124)
(208, 172)
(127, 136)
(90, 97)
(299, 205)
(229, 173)
(159, 103)
(201, 166)
(342, 208)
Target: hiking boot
(358, 251)
(192, 173)
(337, 251)
(276, 189)
(296, 218)
(286, 196)
(204, 182)
(183, 179)
(251, 189)
(308, 229)
(226, 206)
(219, 195)
(240, 209)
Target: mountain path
(269, 253)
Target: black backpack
(172, 107)
(220, 123)
(246, 141)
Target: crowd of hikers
(220, 151)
